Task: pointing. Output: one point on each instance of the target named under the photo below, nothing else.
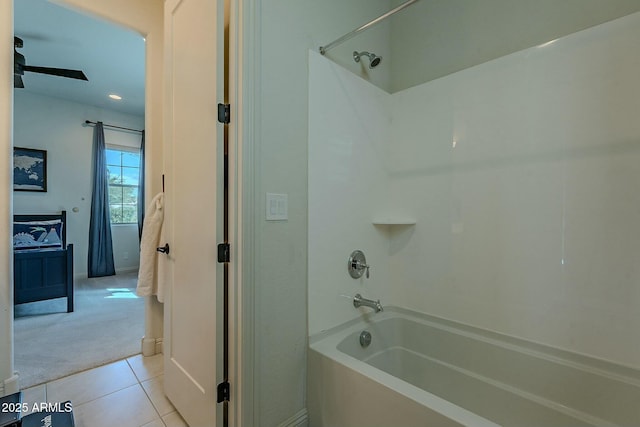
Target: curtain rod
(324, 49)
(89, 122)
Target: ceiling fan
(20, 66)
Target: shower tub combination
(420, 370)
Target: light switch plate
(277, 207)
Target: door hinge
(224, 392)
(224, 252)
(224, 113)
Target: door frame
(242, 80)
(8, 378)
(245, 76)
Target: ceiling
(111, 57)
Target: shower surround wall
(349, 127)
(520, 174)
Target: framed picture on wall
(29, 169)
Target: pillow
(37, 234)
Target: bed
(42, 259)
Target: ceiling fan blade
(72, 74)
(17, 81)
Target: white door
(193, 197)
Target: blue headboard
(62, 217)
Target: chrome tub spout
(359, 301)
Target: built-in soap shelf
(394, 221)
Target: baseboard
(300, 419)
(126, 270)
(84, 275)
(151, 346)
(10, 385)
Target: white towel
(148, 276)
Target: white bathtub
(424, 371)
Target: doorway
(49, 115)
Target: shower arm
(324, 49)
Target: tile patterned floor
(127, 393)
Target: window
(123, 168)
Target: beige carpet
(107, 325)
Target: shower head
(374, 60)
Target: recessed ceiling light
(114, 96)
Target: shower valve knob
(357, 265)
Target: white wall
(287, 29)
(56, 125)
(349, 129)
(529, 225)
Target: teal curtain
(141, 190)
(100, 245)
